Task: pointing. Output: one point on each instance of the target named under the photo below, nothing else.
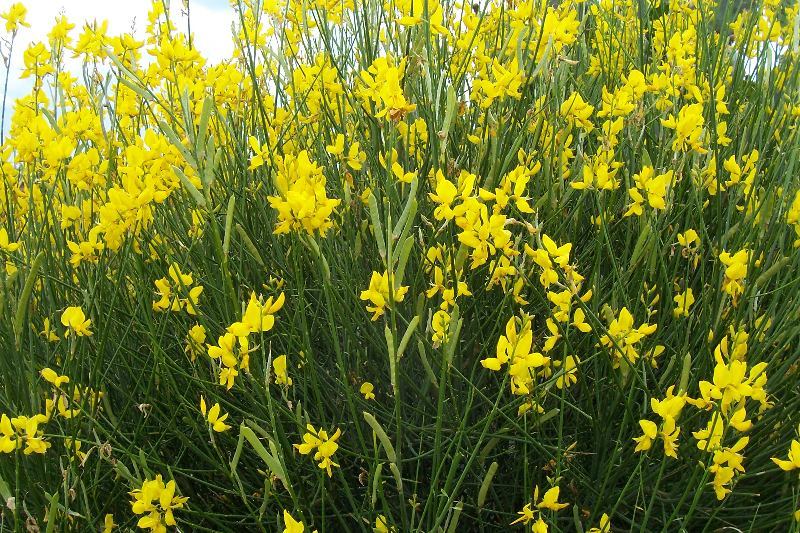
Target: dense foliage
(406, 266)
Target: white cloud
(210, 22)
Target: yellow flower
(108, 523)
(291, 525)
(739, 174)
(690, 246)
(793, 216)
(88, 251)
(671, 406)
(726, 463)
(225, 350)
(509, 345)
(74, 446)
(30, 434)
(616, 104)
(623, 339)
(47, 331)
(655, 186)
(688, 128)
(379, 296)
(302, 203)
(401, 175)
(599, 172)
(216, 421)
(506, 80)
(548, 258)
(731, 383)
(649, 434)
(484, 233)
(793, 460)
(683, 302)
(382, 84)
(709, 438)
(5, 244)
(227, 377)
(194, 341)
(440, 323)
(526, 515)
(670, 433)
(579, 321)
(570, 372)
(51, 376)
(156, 500)
(260, 153)
(605, 525)
(549, 499)
(553, 338)
(688, 238)
(576, 111)
(382, 525)
(15, 17)
(412, 11)
(540, 526)
(279, 368)
(355, 157)
(233, 353)
(324, 445)
(444, 195)
(337, 148)
(668, 409)
(514, 348)
(76, 322)
(258, 316)
(177, 292)
(367, 389)
(8, 435)
(735, 272)
(529, 513)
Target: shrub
(420, 265)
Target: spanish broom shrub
(414, 265)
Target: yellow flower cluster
(531, 514)
(570, 223)
(380, 296)
(623, 338)
(302, 203)
(725, 398)
(157, 501)
(170, 288)
(233, 347)
(324, 445)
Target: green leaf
(486, 483)
(405, 251)
(248, 243)
(226, 242)
(196, 195)
(382, 436)
(22, 304)
(202, 127)
(409, 210)
(412, 326)
(377, 228)
(271, 461)
(51, 513)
